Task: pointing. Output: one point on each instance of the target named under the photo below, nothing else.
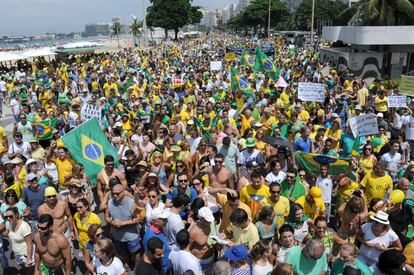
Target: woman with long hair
(105, 261)
(154, 201)
(367, 160)
(158, 167)
(299, 222)
(11, 200)
(285, 241)
(20, 236)
(95, 233)
(260, 253)
(84, 218)
(266, 224)
(75, 193)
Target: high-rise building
(227, 13)
(97, 29)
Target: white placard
(308, 91)
(215, 65)
(397, 101)
(364, 125)
(89, 111)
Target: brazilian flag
(44, 128)
(88, 145)
(312, 163)
(248, 60)
(240, 83)
(355, 148)
(263, 62)
(127, 84)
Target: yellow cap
(50, 191)
(315, 192)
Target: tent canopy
(38, 52)
(8, 56)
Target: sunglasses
(218, 161)
(180, 166)
(9, 217)
(290, 177)
(153, 197)
(11, 196)
(51, 197)
(182, 180)
(43, 228)
(98, 235)
(275, 192)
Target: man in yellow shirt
(109, 86)
(3, 141)
(280, 204)
(254, 192)
(376, 184)
(63, 163)
(312, 203)
(244, 231)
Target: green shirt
(303, 265)
(338, 267)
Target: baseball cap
(50, 191)
(358, 107)
(30, 161)
(142, 163)
(206, 214)
(30, 177)
(237, 253)
(380, 115)
(152, 174)
(250, 142)
(159, 213)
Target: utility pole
(312, 21)
(268, 19)
(144, 24)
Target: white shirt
(271, 177)
(193, 142)
(72, 119)
(397, 121)
(2, 86)
(182, 261)
(262, 270)
(369, 255)
(409, 127)
(326, 185)
(15, 106)
(174, 225)
(392, 160)
(115, 268)
(23, 148)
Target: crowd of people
(206, 179)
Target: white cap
(206, 214)
(380, 115)
(159, 213)
(30, 161)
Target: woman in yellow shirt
(83, 219)
(335, 133)
(381, 103)
(367, 161)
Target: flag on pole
(88, 145)
(248, 60)
(240, 83)
(43, 128)
(126, 86)
(312, 162)
(263, 62)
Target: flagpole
(268, 19)
(312, 21)
(144, 24)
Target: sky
(31, 17)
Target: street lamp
(312, 20)
(268, 19)
(144, 23)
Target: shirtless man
(106, 174)
(146, 147)
(52, 249)
(60, 212)
(220, 176)
(199, 233)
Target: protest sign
(89, 111)
(311, 91)
(364, 125)
(397, 101)
(325, 70)
(407, 85)
(281, 83)
(215, 65)
(230, 56)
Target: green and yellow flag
(355, 148)
(44, 128)
(88, 145)
(240, 83)
(263, 62)
(126, 86)
(312, 163)
(248, 60)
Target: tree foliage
(172, 14)
(325, 10)
(380, 13)
(135, 28)
(116, 29)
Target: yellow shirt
(226, 226)
(107, 88)
(337, 134)
(245, 123)
(381, 105)
(248, 236)
(64, 170)
(346, 191)
(304, 116)
(3, 136)
(362, 96)
(367, 164)
(281, 208)
(285, 98)
(83, 227)
(376, 186)
(252, 197)
(17, 187)
(312, 211)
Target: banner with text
(89, 111)
(215, 65)
(364, 125)
(397, 101)
(311, 91)
(407, 85)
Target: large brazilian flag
(263, 62)
(312, 163)
(44, 128)
(88, 145)
(248, 60)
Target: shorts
(207, 263)
(130, 246)
(51, 270)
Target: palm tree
(135, 29)
(380, 13)
(116, 30)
